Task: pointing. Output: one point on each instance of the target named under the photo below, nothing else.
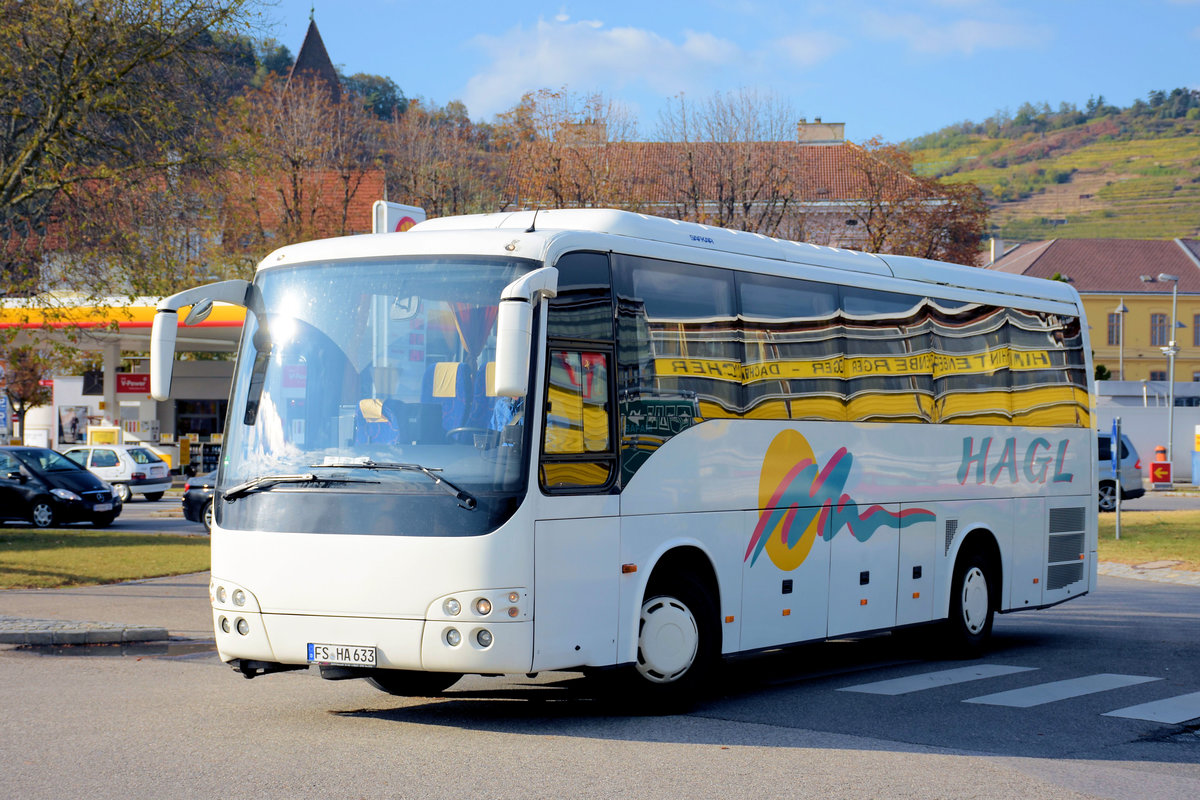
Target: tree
(287, 139)
(436, 158)
(380, 95)
(733, 167)
(94, 90)
(27, 367)
(903, 213)
(567, 150)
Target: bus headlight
(483, 606)
(453, 637)
(484, 637)
(225, 624)
(452, 607)
(239, 597)
(243, 627)
(221, 594)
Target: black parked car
(40, 486)
(198, 498)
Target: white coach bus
(582, 439)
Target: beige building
(1131, 289)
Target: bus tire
(678, 645)
(972, 604)
(412, 683)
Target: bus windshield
(375, 377)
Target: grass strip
(1148, 536)
(43, 559)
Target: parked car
(1130, 466)
(198, 499)
(129, 468)
(40, 486)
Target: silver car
(1130, 466)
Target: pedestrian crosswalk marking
(1172, 710)
(1060, 690)
(933, 680)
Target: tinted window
(583, 307)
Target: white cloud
(807, 49)
(584, 55)
(958, 37)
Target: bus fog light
(239, 597)
(453, 637)
(451, 607)
(243, 627)
(224, 624)
(221, 594)
(484, 637)
(483, 606)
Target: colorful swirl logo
(801, 501)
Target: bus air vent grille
(951, 529)
(1065, 547)
(1060, 575)
(1067, 520)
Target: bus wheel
(677, 643)
(412, 683)
(971, 606)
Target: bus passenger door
(577, 568)
(862, 569)
(577, 583)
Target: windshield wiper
(267, 481)
(465, 499)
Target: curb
(20, 631)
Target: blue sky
(895, 69)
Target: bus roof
(487, 232)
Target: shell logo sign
(802, 500)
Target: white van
(129, 468)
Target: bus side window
(577, 449)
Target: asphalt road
(171, 721)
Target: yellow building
(1131, 289)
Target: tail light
(187, 486)
(1137, 464)
(138, 476)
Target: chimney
(997, 250)
(818, 132)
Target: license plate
(102, 507)
(348, 655)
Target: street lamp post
(1170, 351)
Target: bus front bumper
(493, 647)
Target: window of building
(1196, 330)
(1114, 329)
(1158, 374)
(1158, 330)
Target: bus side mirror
(514, 333)
(162, 353)
(166, 323)
(514, 328)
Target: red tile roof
(1108, 265)
(653, 172)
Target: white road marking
(933, 680)
(1173, 710)
(1060, 690)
